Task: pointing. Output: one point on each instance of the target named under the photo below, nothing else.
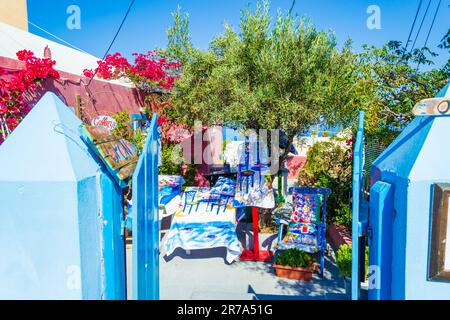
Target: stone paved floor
(204, 275)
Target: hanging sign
(119, 155)
(106, 122)
(432, 107)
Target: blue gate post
(52, 181)
(381, 208)
(358, 162)
(145, 224)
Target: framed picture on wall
(439, 257)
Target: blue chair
(200, 201)
(222, 201)
(258, 169)
(318, 227)
(189, 199)
(209, 201)
(246, 176)
(205, 200)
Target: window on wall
(439, 257)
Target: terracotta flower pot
(293, 273)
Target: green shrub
(171, 163)
(169, 166)
(344, 260)
(169, 151)
(294, 258)
(366, 253)
(343, 215)
(123, 125)
(123, 130)
(189, 177)
(138, 139)
(329, 165)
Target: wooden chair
(319, 226)
(221, 202)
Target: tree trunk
(265, 215)
(265, 219)
(284, 155)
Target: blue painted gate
(145, 225)
(359, 212)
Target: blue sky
(145, 28)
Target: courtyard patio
(204, 275)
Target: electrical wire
(49, 33)
(413, 24)
(432, 23)
(56, 37)
(420, 27)
(114, 39)
(292, 7)
(429, 31)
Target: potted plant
(294, 264)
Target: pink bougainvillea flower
(88, 73)
(14, 88)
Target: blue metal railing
(145, 219)
(357, 183)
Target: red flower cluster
(155, 69)
(113, 67)
(150, 70)
(15, 85)
(88, 73)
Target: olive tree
(282, 74)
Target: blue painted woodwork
(113, 238)
(413, 162)
(221, 201)
(380, 243)
(244, 173)
(145, 219)
(189, 198)
(322, 226)
(60, 212)
(445, 92)
(247, 177)
(311, 190)
(138, 121)
(357, 200)
(200, 201)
